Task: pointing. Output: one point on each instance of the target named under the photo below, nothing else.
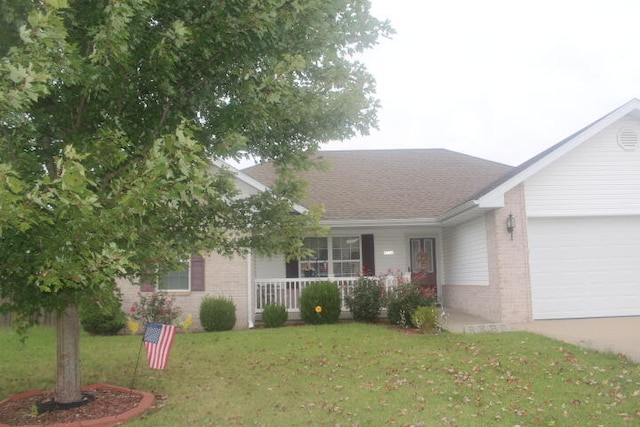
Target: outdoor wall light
(511, 224)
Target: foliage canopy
(111, 113)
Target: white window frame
(165, 285)
(316, 263)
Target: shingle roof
(392, 184)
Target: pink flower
(133, 309)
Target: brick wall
(512, 259)
(224, 276)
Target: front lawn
(349, 375)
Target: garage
(584, 267)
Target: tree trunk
(68, 356)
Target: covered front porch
(287, 291)
(388, 253)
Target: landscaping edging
(145, 404)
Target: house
(556, 237)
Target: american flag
(158, 339)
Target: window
(346, 256)
(338, 256)
(190, 277)
(316, 265)
(177, 280)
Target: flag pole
(135, 370)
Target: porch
(287, 291)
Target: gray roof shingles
(392, 184)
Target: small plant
(320, 303)
(366, 300)
(155, 307)
(274, 315)
(102, 315)
(403, 301)
(426, 319)
(217, 314)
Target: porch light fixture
(511, 224)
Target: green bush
(274, 315)
(217, 314)
(366, 300)
(426, 319)
(403, 301)
(102, 315)
(320, 303)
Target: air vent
(628, 138)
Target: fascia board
(495, 197)
(454, 215)
(252, 182)
(342, 223)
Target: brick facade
(224, 276)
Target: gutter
(250, 310)
(381, 222)
(460, 209)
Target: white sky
(500, 80)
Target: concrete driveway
(607, 334)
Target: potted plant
(308, 271)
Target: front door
(423, 262)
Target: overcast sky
(500, 80)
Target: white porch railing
(287, 291)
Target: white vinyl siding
(585, 267)
(596, 178)
(465, 254)
(270, 267)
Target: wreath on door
(423, 260)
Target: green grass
(350, 375)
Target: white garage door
(585, 267)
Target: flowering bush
(403, 301)
(366, 300)
(155, 307)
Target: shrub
(274, 315)
(155, 307)
(217, 314)
(365, 301)
(320, 303)
(403, 301)
(103, 314)
(426, 319)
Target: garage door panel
(585, 267)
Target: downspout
(250, 309)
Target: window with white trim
(177, 280)
(346, 256)
(340, 256)
(317, 265)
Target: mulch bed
(103, 402)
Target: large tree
(111, 112)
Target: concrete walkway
(619, 335)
